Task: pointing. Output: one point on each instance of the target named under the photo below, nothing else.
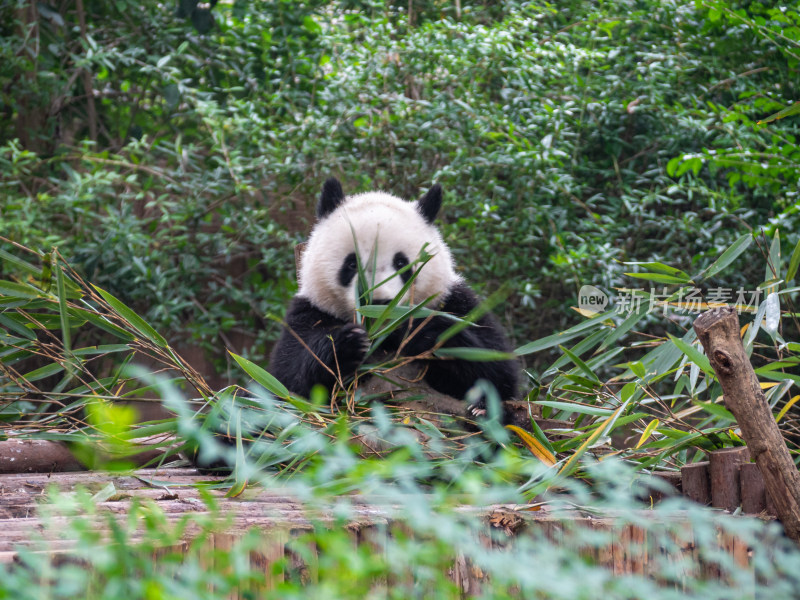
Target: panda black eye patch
(348, 269)
(399, 261)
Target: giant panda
(388, 234)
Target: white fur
(377, 220)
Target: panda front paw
(351, 345)
(477, 410)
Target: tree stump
(718, 331)
(724, 472)
(696, 483)
(754, 496)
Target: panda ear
(430, 203)
(331, 197)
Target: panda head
(388, 233)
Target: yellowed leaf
(534, 445)
(567, 468)
(786, 408)
(647, 431)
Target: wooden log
(46, 456)
(754, 495)
(718, 331)
(696, 482)
(36, 456)
(724, 471)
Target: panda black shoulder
(460, 300)
(302, 314)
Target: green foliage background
(173, 152)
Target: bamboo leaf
(474, 354)
(42, 372)
(580, 364)
(240, 481)
(697, 357)
(18, 263)
(769, 283)
(584, 345)
(781, 377)
(777, 392)
(717, 410)
(752, 332)
(101, 349)
(583, 409)
(408, 313)
(626, 325)
(772, 316)
(657, 267)
(10, 323)
(102, 323)
(789, 111)
(108, 492)
(647, 431)
(540, 436)
(563, 336)
(570, 465)
(20, 290)
(794, 262)
(374, 311)
(137, 322)
(727, 257)
(773, 267)
(262, 377)
(62, 310)
(149, 429)
(661, 278)
(534, 446)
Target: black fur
(295, 366)
(348, 270)
(456, 377)
(430, 203)
(298, 370)
(330, 198)
(400, 261)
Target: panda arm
(300, 366)
(455, 377)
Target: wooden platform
(281, 517)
